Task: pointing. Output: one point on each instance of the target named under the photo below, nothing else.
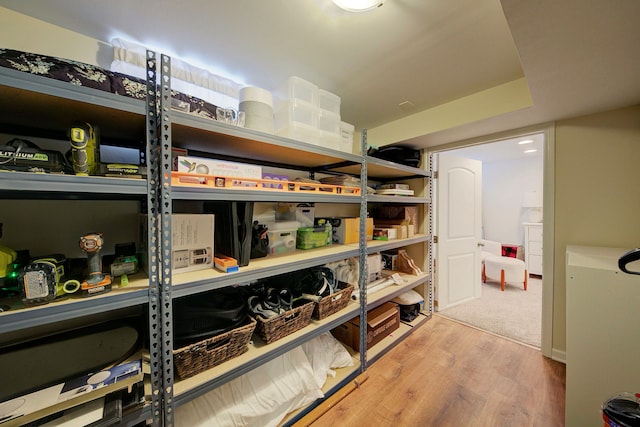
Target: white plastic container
(282, 236)
(346, 137)
(329, 122)
(329, 102)
(257, 105)
(300, 132)
(295, 111)
(329, 140)
(299, 89)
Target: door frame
(548, 129)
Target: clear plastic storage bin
(294, 111)
(282, 236)
(329, 122)
(330, 140)
(346, 137)
(299, 132)
(329, 102)
(298, 89)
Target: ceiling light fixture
(358, 5)
(530, 151)
(525, 141)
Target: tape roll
(290, 242)
(71, 286)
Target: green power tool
(44, 279)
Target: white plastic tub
(282, 236)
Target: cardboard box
(177, 152)
(347, 230)
(381, 321)
(380, 233)
(395, 223)
(218, 167)
(403, 231)
(343, 333)
(409, 213)
(192, 242)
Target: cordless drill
(95, 281)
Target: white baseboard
(559, 356)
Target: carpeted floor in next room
(514, 313)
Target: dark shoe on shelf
(261, 308)
(286, 299)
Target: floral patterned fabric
(81, 74)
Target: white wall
(21, 32)
(503, 185)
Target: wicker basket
(333, 303)
(206, 354)
(273, 329)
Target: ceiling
(577, 56)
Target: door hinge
(435, 175)
(435, 239)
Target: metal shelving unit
(162, 126)
(22, 97)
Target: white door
(458, 227)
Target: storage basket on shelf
(333, 303)
(206, 354)
(277, 327)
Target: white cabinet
(533, 247)
(602, 330)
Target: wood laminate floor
(449, 374)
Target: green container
(314, 237)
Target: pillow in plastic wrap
(326, 353)
(260, 398)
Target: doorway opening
(513, 181)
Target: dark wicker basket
(333, 303)
(273, 329)
(206, 354)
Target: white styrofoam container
(299, 89)
(329, 102)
